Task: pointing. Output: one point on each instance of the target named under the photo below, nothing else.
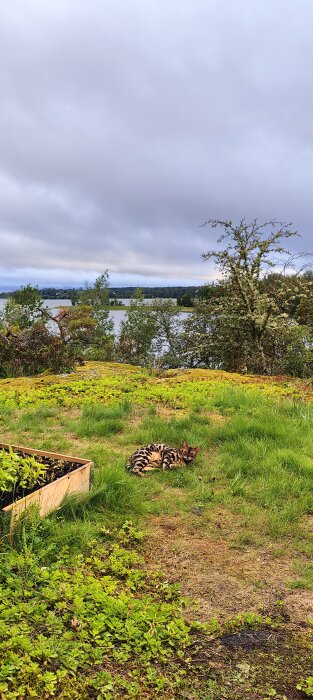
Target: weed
(306, 686)
(305, 572)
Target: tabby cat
(159, 456)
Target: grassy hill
(87, 612)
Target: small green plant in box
(22, 472)
(306, 686)
(19, 471)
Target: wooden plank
(50, 497)
(41, 453)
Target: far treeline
(257, 318)
(184, 295)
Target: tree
(167, 345)
(96, 297)
(149, 334)
(23, 309)
(251, 251)
(211, 290)
(185, 300)
(214, 337)
(58, 339)
(137, 332)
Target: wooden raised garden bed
(65, 475)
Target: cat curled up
(159, 456)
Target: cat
(159, 456)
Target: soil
(225, 580)
(56, 468)
(246, 663)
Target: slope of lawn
(84, 611)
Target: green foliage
(89, 626)
(137, 332)
(97, 297)
(17, 471)
(23, 309)
(149, 334)
(185, 300)
(247, 323)
(34, 340)
(306, 686)
(98, 420)
(32, 351)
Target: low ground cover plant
(89, 625)
(81, 614)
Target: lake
(117, 316)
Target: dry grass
(226, 581)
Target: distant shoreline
(185, 309)
(115, 292)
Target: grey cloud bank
(123, 126)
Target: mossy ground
(235, 529)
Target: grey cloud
(123, 126)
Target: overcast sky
(125, 124)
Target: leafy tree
(288, 347)
(96, 298)
(251, 251)
(168, 329)
(185, 300)
(23, 309)
(213, 337)
(149, 334)
(35, 339)
(211, 290)
(96, 295)
(137, 332)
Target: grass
(101, 421)
(260, 456)
(250, 488)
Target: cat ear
(185, 444)
(197, 450)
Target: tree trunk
(262, 356)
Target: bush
(32, 351)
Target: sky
(125, 124)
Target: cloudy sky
(124, 124)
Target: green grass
(255, 463)
(102, 421)
(260, 457)
(305, 573)
(266, 458)
(35, 421)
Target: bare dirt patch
(226, 581)
(216, 417)
(167, 412)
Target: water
(117, 316)
(48, 303)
